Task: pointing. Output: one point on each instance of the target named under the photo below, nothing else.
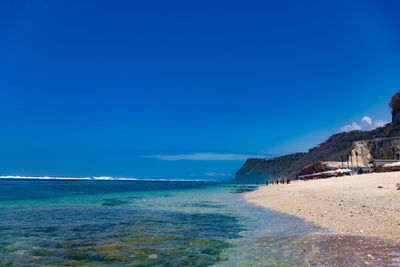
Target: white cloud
(366, 124)
(351, 127)
(380, 123)
(367, 120)
(203, 156)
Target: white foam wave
(100, 178)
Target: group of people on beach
(324, 175)
(278, 181)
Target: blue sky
(185, 89)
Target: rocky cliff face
(395, 106)
(260, 170)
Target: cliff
(355, 148)
(359, 148)
(260, 170)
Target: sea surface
(144, 223)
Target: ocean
(144, 223)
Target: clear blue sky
(186, 89)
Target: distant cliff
(260, 170)
(357, 147)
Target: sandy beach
(366, 204)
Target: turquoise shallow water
(136, 223)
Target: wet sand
(351, 250)
(367, 205)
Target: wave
(100, 178)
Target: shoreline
(350, 205)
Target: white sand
(348, 205)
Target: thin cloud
(366, 124)
(218, 174)
(203, 156)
